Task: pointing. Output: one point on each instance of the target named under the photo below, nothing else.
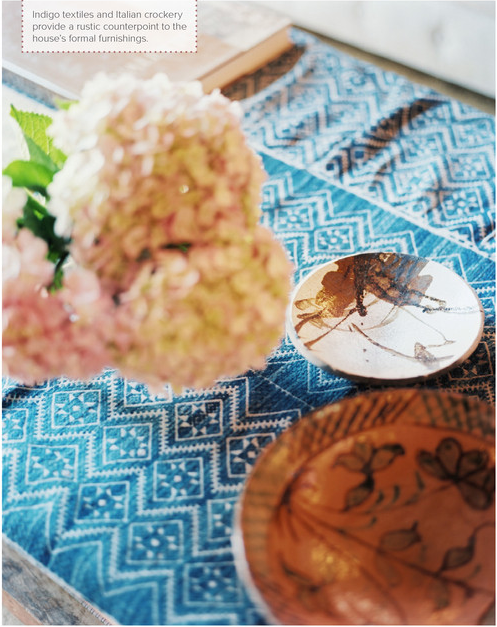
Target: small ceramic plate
(385, 317)
(377, 509)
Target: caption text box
(109, 26)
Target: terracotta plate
(378, 509)
(385, 317)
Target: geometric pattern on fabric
(421, 155)
(129, 497)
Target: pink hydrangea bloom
(215, 311)
(50, 334)
(151, 163)
(171, 280)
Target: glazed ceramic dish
(385, 317)
(377, 509)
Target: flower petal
(432, 465)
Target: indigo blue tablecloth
(129, 498)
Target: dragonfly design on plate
(356, 286)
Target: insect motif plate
(377, 509)
(385, 317)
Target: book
(234, 38)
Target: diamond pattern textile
(129, 498)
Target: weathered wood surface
(32, 594)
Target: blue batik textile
(129, 498)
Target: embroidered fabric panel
(404, 146)
(130, 498)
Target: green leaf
(34, 126)
(29, 174)
(64, 104)
(41, 223)
(58, 274)
(38, 156)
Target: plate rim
(316, 361)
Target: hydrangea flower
(47, 334)
(151, 164)
(214, 311)
(171, 279)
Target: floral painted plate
(377, 509)
(385, 317)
